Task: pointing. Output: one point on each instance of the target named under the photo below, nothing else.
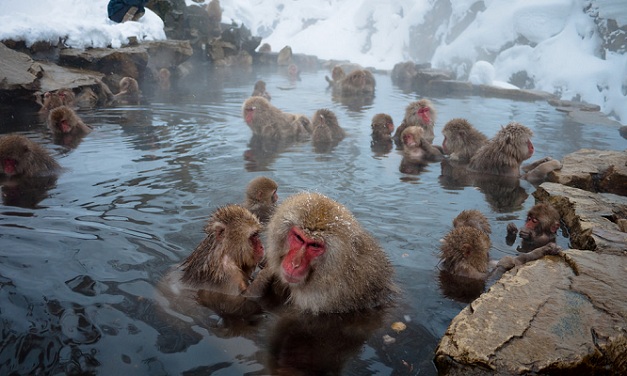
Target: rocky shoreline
(560, 314)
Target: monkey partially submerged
(22, 157)
(419, 113)
(221, 266)
(323, 259)
(540, 228)
(465, 257)
(261, 197)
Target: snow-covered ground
(563, 53)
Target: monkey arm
(259, 285)
(530, 166)
(509, 262)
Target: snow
(554, 41)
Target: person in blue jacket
(126, 10)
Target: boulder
(596, 220)
(19, 74)
(594, 171)
(127, 61)
(562, 314)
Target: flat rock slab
(560, 314)
(594, 171)
(56, 77)
(17, 70)
(594, 219)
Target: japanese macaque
(267, 121)
(129, 91)
(163, 79)
(337, 74)
(537, 172)
(360, 81)
(261, 197)
(420, 113)
(503, 154)
(61, 97)
(87, 98)
(382, 127)
(215, 18)
(465, 249)
(323, 259)
(22, 157)
(416, 149)
(225, 260)
(540, 228)
(473, 218)
(260, 90)
(326, 129)
(461, 140)
(63, 120)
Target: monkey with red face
(540, 228)
(323, 259)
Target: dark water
(78, 271)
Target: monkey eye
(315, 247)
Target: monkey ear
(218, 230)
(554, 227)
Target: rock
(594, 171)
(594, 219)
(425, 76)
(557, 315)
(514, 94)
(167, 53)
(124, 61)
(19, 74)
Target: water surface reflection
(80, 259)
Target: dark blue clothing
(118, 8)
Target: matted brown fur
(412, 118)
(267, 121)
(505, 152)
(259, 197)
(64, 114)
(353, 274)
(465, 252)
(473, 218)
(29, 158)
(382, 127)
(325, 127)
(461, 139)
(226, 255)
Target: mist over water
(79, 266)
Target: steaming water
(78, 272)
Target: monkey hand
(512, 231)
(506, 263)
(552, 249)
(525, 233)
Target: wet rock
(167, 53)
(596, 220)
(594, 171)
(449, 87)
(558, 315)
(124, 61)
(514, 94)
(19, 74)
